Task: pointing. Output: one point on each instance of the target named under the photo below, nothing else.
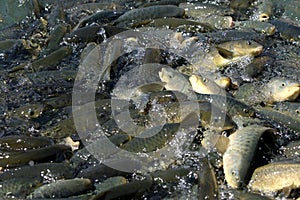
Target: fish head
(281, 89)
(166, 75)
(247, 47)
(199, 84)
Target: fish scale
(152, 143)
(240, 152)
(138, 15)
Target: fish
(204, 85)
(22, 142)
(240, 48)
(240, 153)
(275, 176)
(129, 190)
(175, 81)
(281, 89)
(18, 187)
(62, 188)
(30, 111)
(109, 184)
(45, 63)
(55, 170)
(228, 104)
(198, 10)
(224, 54)
(279, 117)
(147, 142)
(288, 108)
(265, 10)
(286, 30)
(135, 17)
(207, 181)
(260, 27)
(13, 159)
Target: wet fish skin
(175, 80)
(56, 170)
(127, 190)
(46, 62)
(31, 111)
(281, 89)
(207, 181)
(279, 117)
(261, 27)
(240, 48)
(13, 159)
(229, 104)
(62, 188)
(240, 152)
(265, 10)
(136, 16)
(152, 143)
(22, 142)
(289, 108)
(18, 187)
(275, 176)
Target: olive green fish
(275, 176)
(240, 152)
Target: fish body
(147, 142)
(261, 27)
(229, 104)
(62, 188)
(136, 16)
(240, 152)
(275, 176)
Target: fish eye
(204, 80)
(249, 42)
(246, 110)
(282, 84)
(235, 174)
(69, 79)
(297, 111)
(31, 112)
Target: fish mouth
(263, 17)
(294, 91)
(258, 51)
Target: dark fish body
(287, 31)
(62, 188)
(18, 187)
(136, 16)
(229, 104)
(151, 143)
(56, 170)
(278, 117)
(22, 142)
(12, 159)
